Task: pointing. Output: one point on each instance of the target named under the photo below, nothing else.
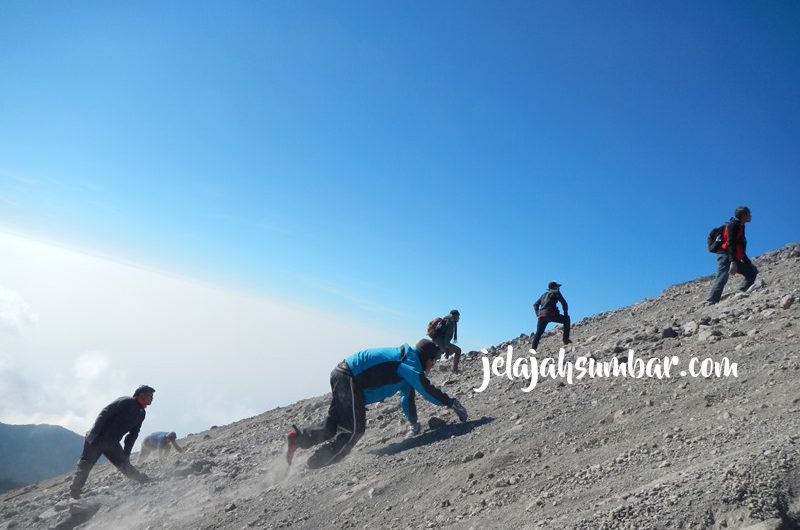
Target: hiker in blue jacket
(370, 376)
(161, 442)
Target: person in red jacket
(732, 258)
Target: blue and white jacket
(382, 372)
(156, 440)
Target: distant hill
(29, 453)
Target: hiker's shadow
(432, 436)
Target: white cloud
(88, 366)
(15, 314)
(103, 328)
(36, 393)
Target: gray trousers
(743, 267)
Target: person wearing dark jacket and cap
(732, 257)
(547, 311)
(370, 376)
(122, 416)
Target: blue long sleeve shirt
(382, 372)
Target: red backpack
(436, 327)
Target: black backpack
(714, 240)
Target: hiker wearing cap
(122, 416)
(732, 256)
(366, 377)
(160, 441)
(547, 312)
(444, 333)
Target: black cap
(741, 211)
(553, 285)
(143, 389)
(455, 312)
(427, 349)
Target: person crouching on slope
(370, 376)
(161, 442)
(121, 417)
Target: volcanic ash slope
(600, 453)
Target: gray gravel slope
(601, 453)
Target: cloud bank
(15, 314)
(77, 331)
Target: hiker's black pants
(344, 425)
(451, 349)
(743, 267)
(544, 321)
(113, 452)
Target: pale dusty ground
(603, 453)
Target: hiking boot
(753, 286)
(75, 494)
(567, 342)
(291, 445)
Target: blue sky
(389, 162)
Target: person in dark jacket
(122, 416)
(732, 258)
(547, 311)
(449, 335)
(370, 376)
(160, 441)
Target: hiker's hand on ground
(459, 409)
(733, 268)
(413, 429)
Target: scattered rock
(772, 524)
(707, 333)
(668, 333)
